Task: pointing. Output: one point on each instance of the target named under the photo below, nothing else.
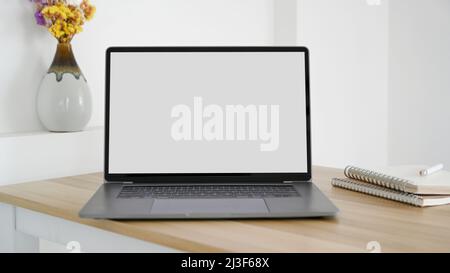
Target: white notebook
(404, 197)
(403, 178)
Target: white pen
(431, 170)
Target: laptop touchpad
(177, 206)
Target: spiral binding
(378, 191)
(380, 179)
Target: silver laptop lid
(207, 114)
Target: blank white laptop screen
(207, 112)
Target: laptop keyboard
(208, 191)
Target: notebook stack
(402, 184)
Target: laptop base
(105, 204)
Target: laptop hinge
(120, 182)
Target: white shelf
(40, 155)
(42, 133)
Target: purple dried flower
(41, 2)
(40, 20)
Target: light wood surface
(395, 226)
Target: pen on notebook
(431, 170)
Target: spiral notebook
(403, 178)
(387, 193)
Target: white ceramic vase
(64, 102)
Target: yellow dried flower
(88, 9)
(67, 19)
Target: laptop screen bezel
(272, 177)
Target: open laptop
(207, 132)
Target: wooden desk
(49, 209)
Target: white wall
(380, 80)
(379, 73)
(348, 47)
(27, 49)
(419, 82)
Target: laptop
(207, 132)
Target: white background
(349, 73)
(419, 82)
(379, 72)
(27, 49)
